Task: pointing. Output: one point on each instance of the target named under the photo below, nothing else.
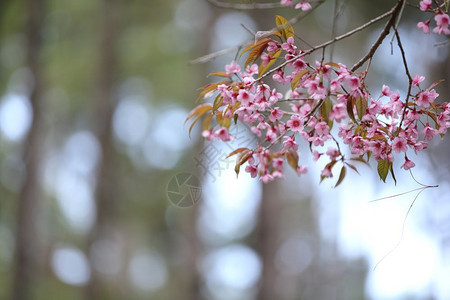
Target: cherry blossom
(324, 106)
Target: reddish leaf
(292, 158)
(350, 103)
(242, 160)
(341, 176)
(238, 150)
(199, 110)
(219, 74)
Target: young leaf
(217, 102)
(350, 103)
(295, 81)
(258, 43)
(352, 167)
(199, 110)
(207, 121)
(392, 172)
(325, 110)
(333, 64)
(242, 159)
(284, 27)
(361, 107)
(255, 53)
(292, 158)
(238, 150)
(383, 169)
(219, 74)
(341, 176)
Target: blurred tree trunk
(26, 250)
(105, 103)
(269, 239)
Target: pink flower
(222, 134)
(275, 114)
(333, 153)
(399, 145)
(208, 134)
(232, 68)
(265, 59)
(272, 47)
(353, 83)
(427, 97)
(442, 21)
(289, 143)
(428, 132)
(289, 45)
(302, 170)
(408, 164)
(424, 26)
(303, 5)
(386, 91)
(295, 123)
(252, 70)
(266, 178)
(322, 128)
(286, 3)
(326, 173)
(316, 155)
(244, 97)
(275, 96)
(425, 4)
(417, 79)
(252, 170)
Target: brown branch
(336, 39)
(245, 6)
(405, 64)
(381, 37)
(214, 55)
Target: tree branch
(214, 55)
(336, 39)
(381, 37)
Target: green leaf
(383, 169)
(341, 176)
(284, 27)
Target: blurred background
(105, 196)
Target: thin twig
(245, 6)
(410, 80)
(214, 55)
(394, 12)
(336, 39)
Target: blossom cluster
(326, 106)
(440, 17)
(303, 4)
